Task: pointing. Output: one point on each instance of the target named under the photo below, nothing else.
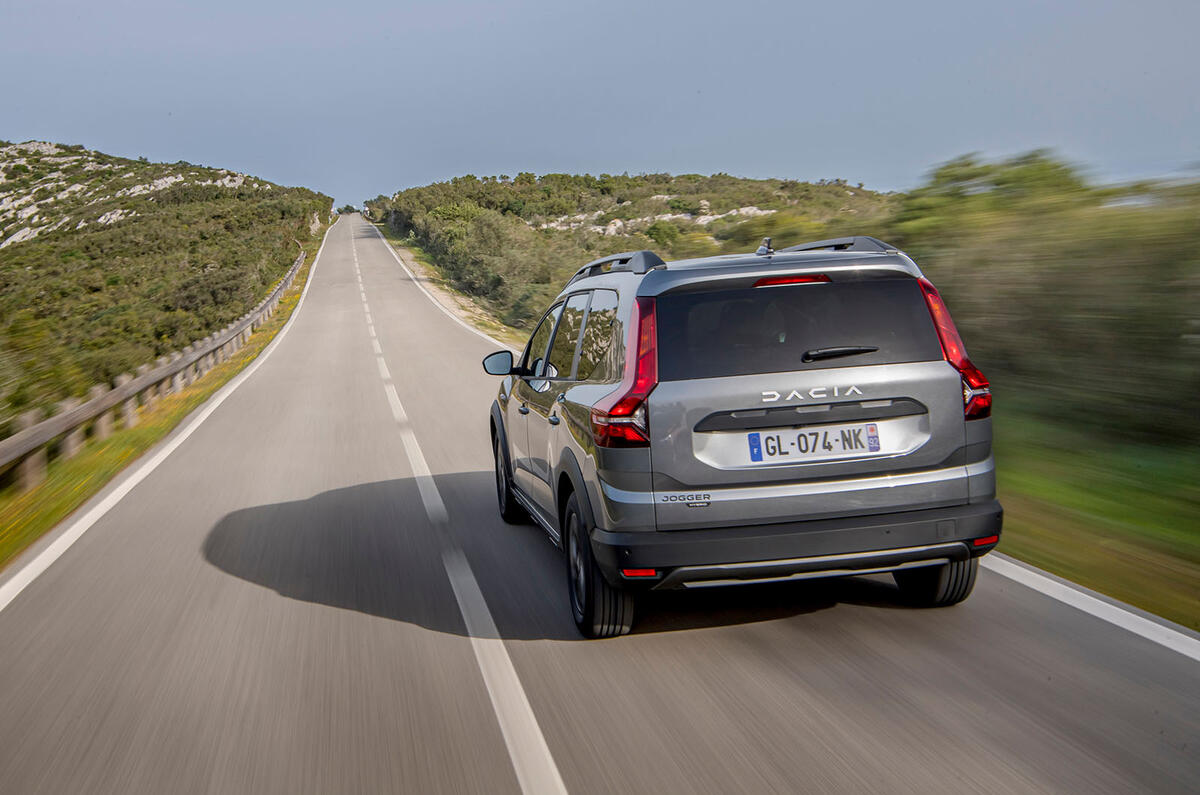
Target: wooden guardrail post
(149, 394)
(32, 468)
(163, 387)
(177, 378)
(103, 426)
(202, 362)
(189, 371)
(72, 442)
(129, 412)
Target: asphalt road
(279, 607)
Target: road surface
(314, 593)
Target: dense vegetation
(130, 260)
(1078, 300)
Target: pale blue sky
(365, 98)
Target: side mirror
(498, 363)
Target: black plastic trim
(668, 550)
(799, 417)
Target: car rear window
(769, 329)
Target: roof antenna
(765, 249)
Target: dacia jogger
(782, 415)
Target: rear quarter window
(600, 348)
(562, 350)
(768, 329)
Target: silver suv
(782, 415)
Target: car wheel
(599, 610)
(510, 511)
(938, 586)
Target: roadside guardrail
(28, 448)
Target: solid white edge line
(1138, 625)
(436, 302)
(46, 558)
(1143, 627)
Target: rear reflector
(983, 542)
(805, 278)
(639, 572)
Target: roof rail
(632, 261)
(857, 243)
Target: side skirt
(527, 504)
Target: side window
(535, 352)
(599, 350)
(562, 350)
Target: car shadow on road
(371, 548)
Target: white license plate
(799, 444)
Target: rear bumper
(798, 550)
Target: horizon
(1082, 168)
(366, 104)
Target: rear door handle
(524, 409)
(554, 419)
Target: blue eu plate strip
(755, 447)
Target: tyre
(938, 586)
(599, 610)
(510, 511)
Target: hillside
(512, 241)
(107, 263)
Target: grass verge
(24, 517)
(1119, 517)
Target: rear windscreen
(769, 329)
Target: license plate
(832, 441)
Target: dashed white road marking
(430, 495)
(376, 347)
(436, 302)
(383, 369)
(531, 758)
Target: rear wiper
(832, 353)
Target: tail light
(619, 420)
(977, 394)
